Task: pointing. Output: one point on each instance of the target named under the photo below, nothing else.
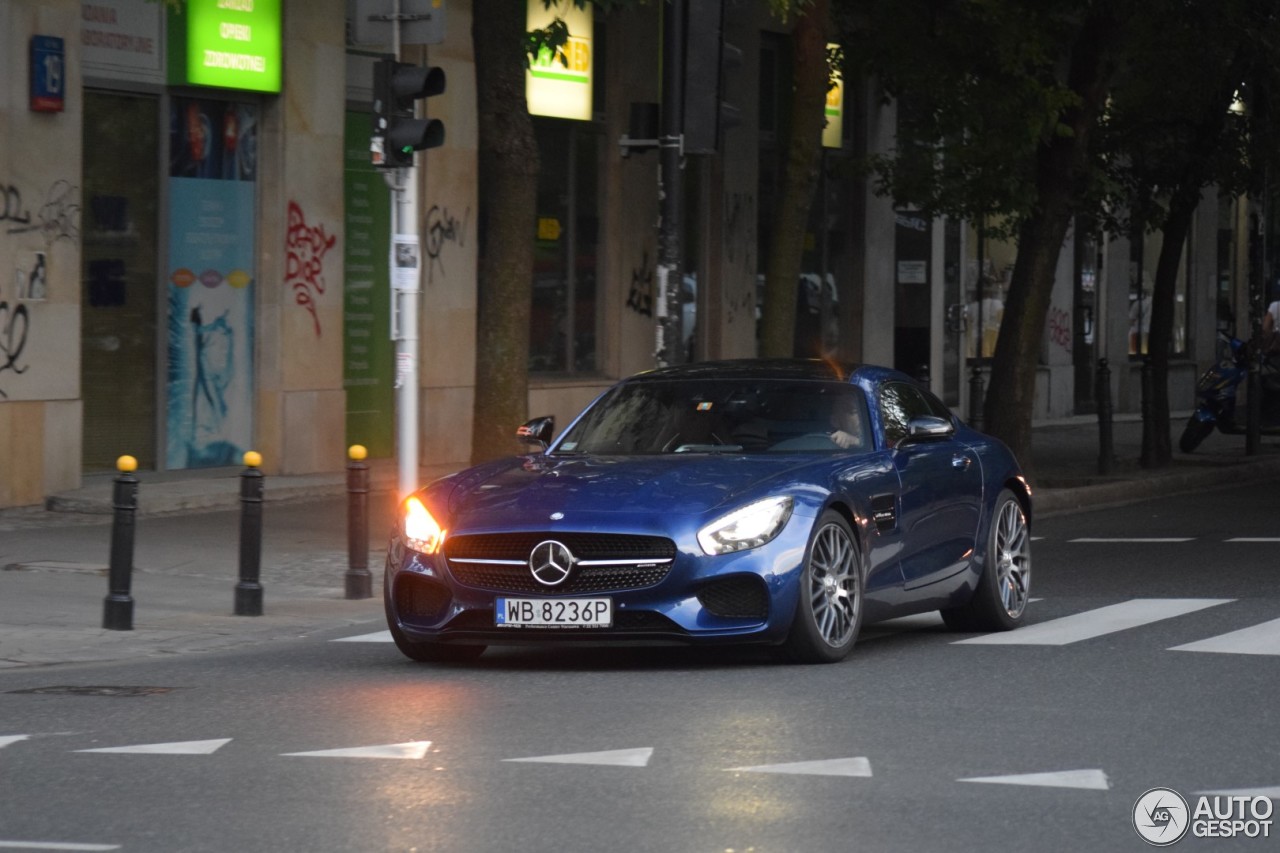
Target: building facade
(195, 245)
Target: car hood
(529, 489)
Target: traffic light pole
(670, 187)
(406, 278)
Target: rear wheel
(1195, 432)
(1000, 599)
(425, 652)
(829, 610)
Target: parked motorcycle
(1216, 395)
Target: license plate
(553, 612)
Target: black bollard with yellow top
(359, 581)
(117, 611)
(249, 590)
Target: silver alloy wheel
(833, 587)
(1013, 559)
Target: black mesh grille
(740, 597)
(583, 579)
(420, 601)
(585, 546)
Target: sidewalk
(53, 578)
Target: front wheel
(1000, 599)
(1195, 432)
(829, 610)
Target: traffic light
(396, 132)
(709, 62)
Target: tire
(426, 652)
(999, 601)
(829, 606)
(1195, 432)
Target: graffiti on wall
(1059, 328)
(57, 217)
(640, 299)
(15, 322)
(304, 267)
(443, 227)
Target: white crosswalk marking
(1139, 539)
(614, 757)
(1261, 639)
(376, 637)
(186, 747)
(860, 766)
(413, 750)
(1259, 539)
(1096, 623)
(5, 740)
(1092, 780)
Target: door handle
(961, 463)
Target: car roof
(770, 368)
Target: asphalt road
(906, 746)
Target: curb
(1056, 501)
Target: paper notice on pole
(404, 368)
(406, 262)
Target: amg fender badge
(884, 511)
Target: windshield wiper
(709, 448)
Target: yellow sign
(548, 228)
(559, 85)
(833, 133)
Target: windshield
(722, 416)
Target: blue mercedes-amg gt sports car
(778, 502)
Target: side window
(899, 403)
(937, 408)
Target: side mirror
(538, 431)
(929, 428)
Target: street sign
(421, 21)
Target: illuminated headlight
(422, 533)
(748, 527)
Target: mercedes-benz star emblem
(550, 562)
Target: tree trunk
(799, 177)
(1060, 161)
(1157, 448)
(508, 177)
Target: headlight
(421, 532)
(748, 527)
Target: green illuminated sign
(231, 44)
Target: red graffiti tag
(1060, 328)
(304, 269)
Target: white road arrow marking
(5, 740)
(376, 637)
(189, 747)
(414, 749)
(1093, 780)
(614, 757)
(829, 767)
(1263, 639)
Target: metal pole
(975, 398)
(248, 590)
(670, 187)
(406, 284)
(359, 581)
(1148, 406)
(117, 610)
(1102, 395)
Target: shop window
(989, 261)
(1144, 255)
(564, 321)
